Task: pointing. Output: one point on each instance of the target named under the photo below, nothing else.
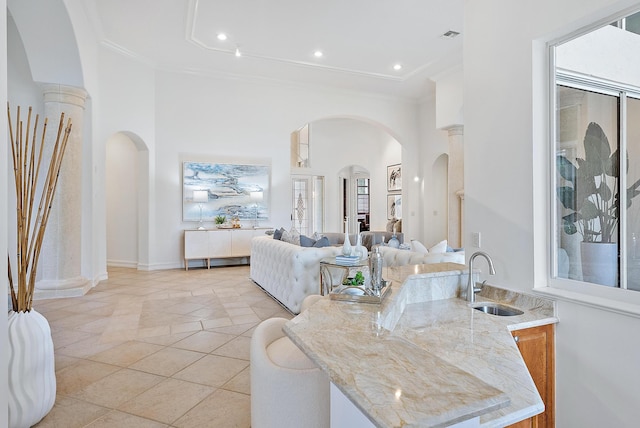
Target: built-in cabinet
(537, 346)
(217, 243)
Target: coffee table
(332, 274)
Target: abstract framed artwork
(394, 178)
(394, 206)
(213, 189)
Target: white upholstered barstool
(287, 388)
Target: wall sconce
(201, 197)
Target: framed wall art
(394, 206)
(220, 189)
(394, 178)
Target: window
(597, 120)
(363, 203)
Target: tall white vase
(32, 376)
(600, 263)
(346, 246)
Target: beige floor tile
(65, 337)
(164, 330)
(245, 319)
(240, 383)
(236, 348)
(235, 329)
(185, 327)
(126, 354)
(63, 361)
(203, 341)
(118, 336)
(167, 361)
(216, 322)
(71, 413)
(130, 318)
(117, 388)
(87, 347)
(167, 401)
(166, 339)
(77, 376)
(222, 409)
(116, 419)
(212, 370)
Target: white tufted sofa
(396, 257)
(290, 273)
(286, 271)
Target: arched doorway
(127, 183)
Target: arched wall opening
(43, 51)
(127, 196)
(336, 144)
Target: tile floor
(157, 349)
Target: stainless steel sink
(497, 309)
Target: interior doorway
(355, 184)
(126, 186)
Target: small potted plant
(219, 220)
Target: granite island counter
(424, 357)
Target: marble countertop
(424, 357)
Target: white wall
(432, 175)
(338, 143)
(198, 116)
(506, 147)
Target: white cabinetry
(218, 243)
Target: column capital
(64, 94)
(455, 130)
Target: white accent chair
(287, 389)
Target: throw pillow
(278, 233)
(322, 242)
(292, 236)
(418, 247)
(305, 241)
(440, 247)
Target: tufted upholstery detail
(396, 257)
(286, 271)
(290, 273)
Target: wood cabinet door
(537, 346)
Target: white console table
(218, 243)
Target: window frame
(615, 299)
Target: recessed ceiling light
(450, 34)
(397, 67)
(222, 37)
(318, 54)
(238, 53)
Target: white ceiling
(361, 39)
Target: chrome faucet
(471, 290)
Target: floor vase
(32, 378)
(600, 263)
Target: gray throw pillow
(322, 242)
(278, 233)
(305, 241)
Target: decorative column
(456, 184)
(60, 262)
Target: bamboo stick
(27, 158)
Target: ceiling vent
(450, 34)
